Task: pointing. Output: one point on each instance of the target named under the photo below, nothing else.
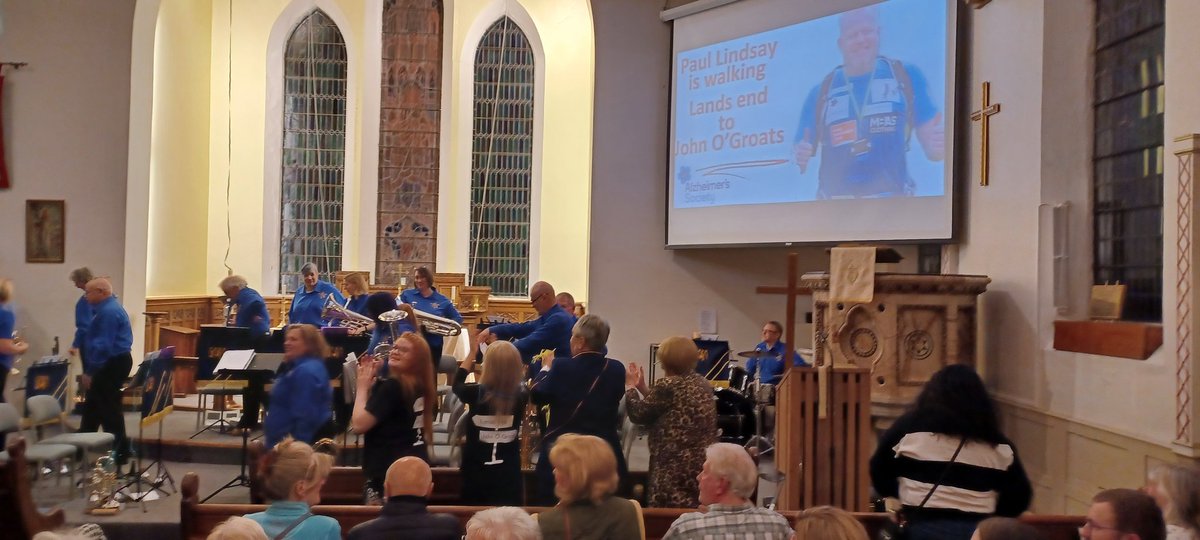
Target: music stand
(157, 384)
(258, 363)
(231, 363)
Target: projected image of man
(863, 115)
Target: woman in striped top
(950, 439)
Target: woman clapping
(394, 412)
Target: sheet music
(234, 360)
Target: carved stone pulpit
(915, 325)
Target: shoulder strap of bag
(294, 524)
(944, 472)
(579, 405)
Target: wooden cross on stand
(792, 291)
(985, 112)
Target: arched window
(314, 144)
(502, 160)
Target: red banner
(3, 165)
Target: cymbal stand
(759, 439)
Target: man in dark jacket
(407, 487)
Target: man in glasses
(550, 331)
(1123, 514)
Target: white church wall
(179, 162)
(1082, 422)
(560, 32)
(66, 118)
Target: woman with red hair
(394, 412)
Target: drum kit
(742, 406)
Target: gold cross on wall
(981, 116)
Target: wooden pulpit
(914, 326)
(823, 438)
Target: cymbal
(755, 354)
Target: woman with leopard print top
(682, 418)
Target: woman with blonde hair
(682, 417)
(491, 457)
(302, 400)
(585, 478)
(828, 523)
(10, 345)
(1176, 489)
(394, 411)
(292, 476)
(357, 292)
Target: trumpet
(340, 316)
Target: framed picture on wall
(45, 231)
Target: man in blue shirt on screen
(862, 116)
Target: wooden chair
(18, 512)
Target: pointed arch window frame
(288, 19)
(520, 22)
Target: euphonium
(343, 317)
(392, 318)
(438, 325)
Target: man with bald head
(107, 363)
(405, 514)
(551, 330)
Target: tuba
(338, 315)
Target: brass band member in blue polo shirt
(770, 368)
(301, 401)
(108, 361)
(10, 345)
(357, 290)
(251, 308)
(551, 330)
(423, 297)
(310, 299)
(83, 310)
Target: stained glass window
(502, 161)
(314, 144)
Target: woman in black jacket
(950, 439)
(491, 456)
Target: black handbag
(897, 529)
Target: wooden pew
(345, 484)
(18, 512)
(197, 520)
